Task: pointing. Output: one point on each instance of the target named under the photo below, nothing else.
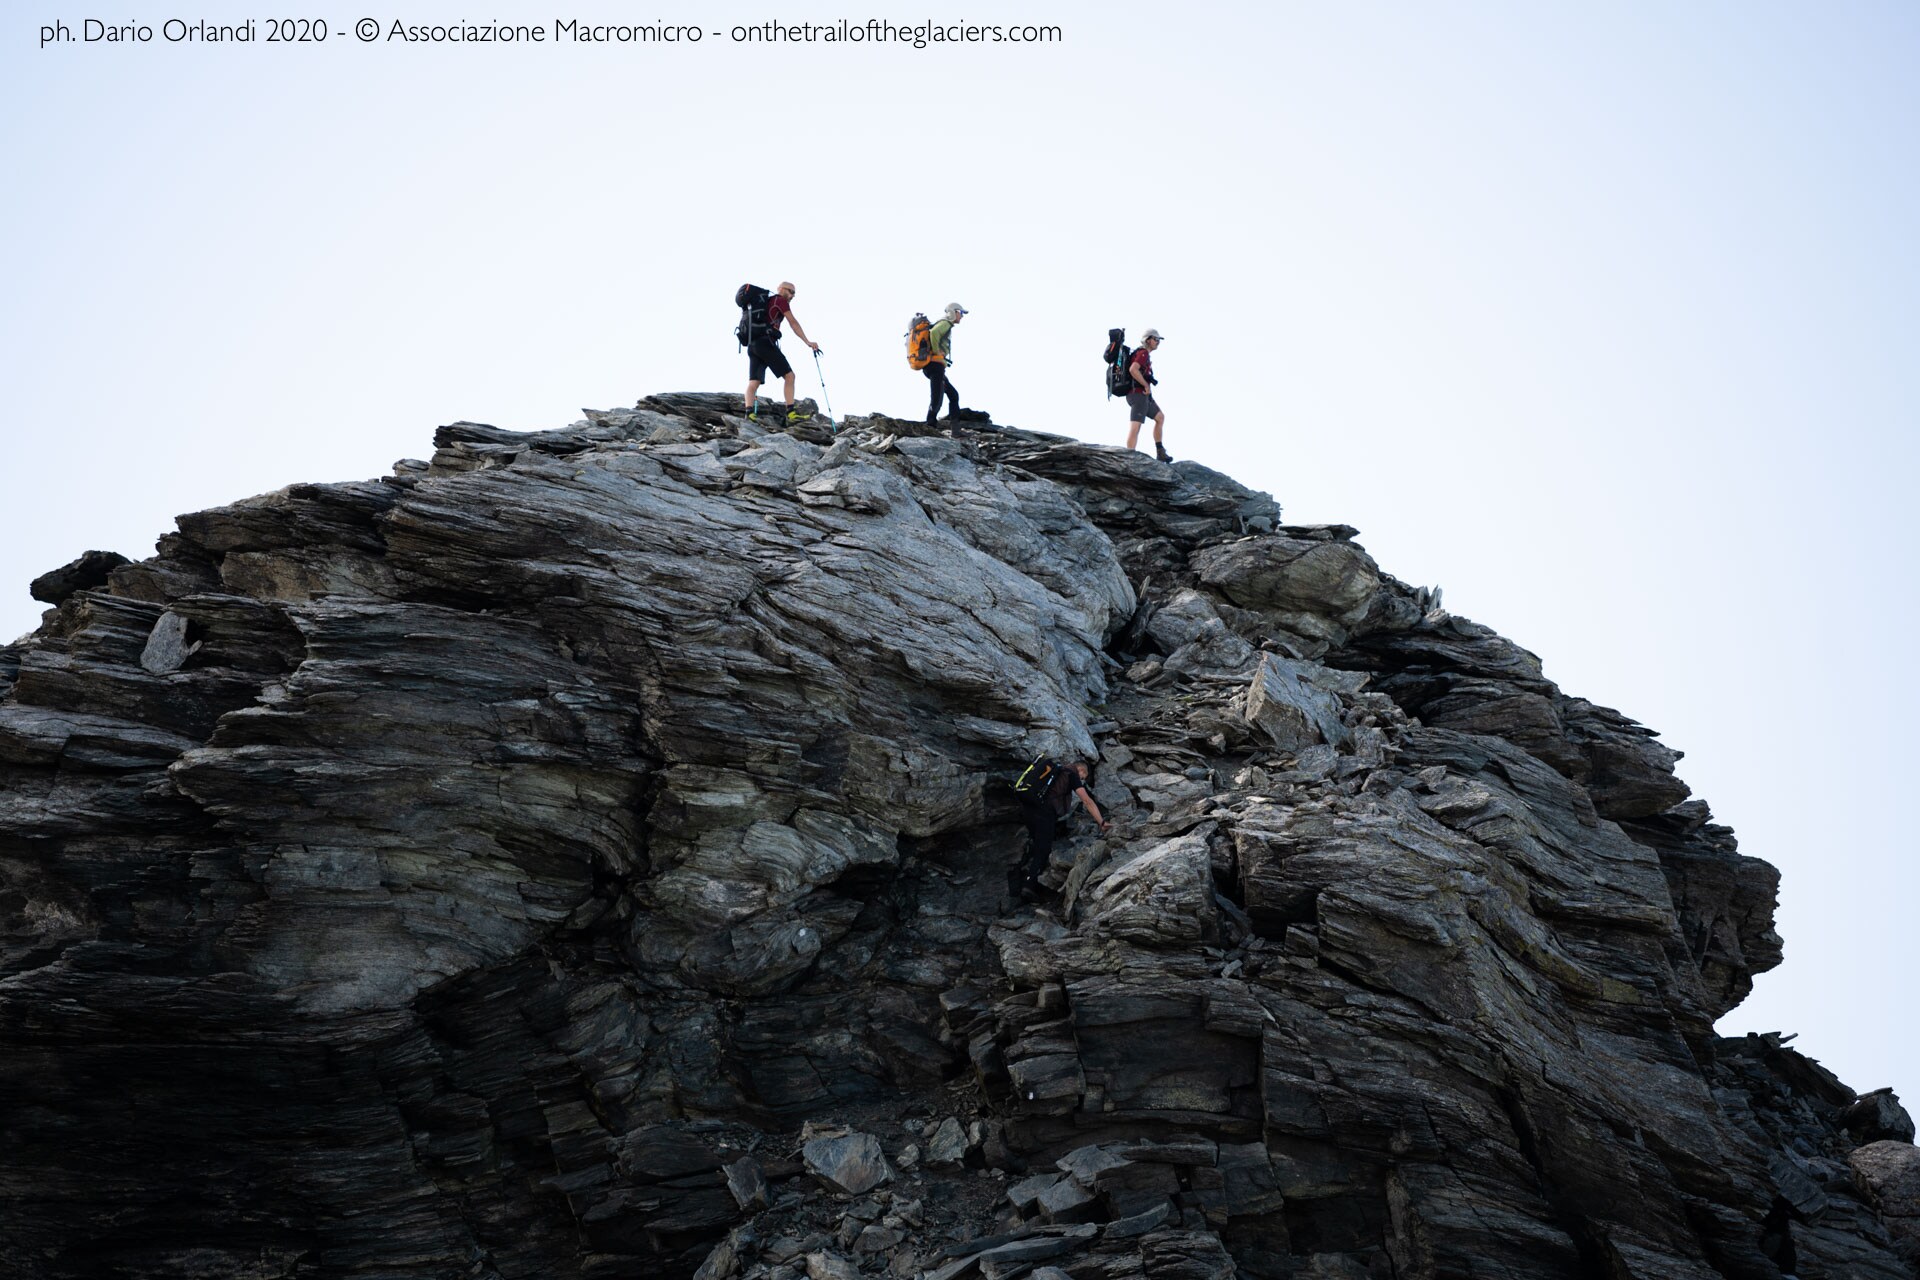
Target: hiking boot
(1038, 890)
(753, 412)
(1160, 452)
(794, 415)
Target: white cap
(955, 311)
(1151, 333)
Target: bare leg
(753, 390)
(1133, 434)
(1159, 421)
(787, 382)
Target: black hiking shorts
(764, 354)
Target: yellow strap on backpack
(1031, 784)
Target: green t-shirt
(941, 336)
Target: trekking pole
(823, 386)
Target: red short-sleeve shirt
(1143, 361)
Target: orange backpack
(919, 342)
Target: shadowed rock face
(586, 854)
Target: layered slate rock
(586, 853)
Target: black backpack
(1031, 786)
(752, 301)
(1119, 381)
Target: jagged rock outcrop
(584, 854)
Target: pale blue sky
(1603, 319)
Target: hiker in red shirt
(763, 352)
(1140, 402)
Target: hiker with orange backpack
(930, 350)
(759, 332)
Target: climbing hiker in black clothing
(1047, 790)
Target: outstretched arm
(1086, 798)
(800, 333)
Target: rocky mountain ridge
(585, 853)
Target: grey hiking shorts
(1141, 405)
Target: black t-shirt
(1060, 789)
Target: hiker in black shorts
(1043, 808)
(763, 352)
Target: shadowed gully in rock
(586, 853)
